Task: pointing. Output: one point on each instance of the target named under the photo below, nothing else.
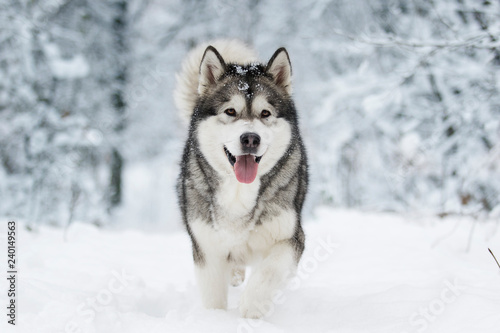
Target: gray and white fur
(243, 173)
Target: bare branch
(494, 257)
(480, 41)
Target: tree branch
(494, 257)
(480, 41)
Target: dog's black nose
(250, 140)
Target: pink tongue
(245, 168)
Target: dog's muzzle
(246, 166)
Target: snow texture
(360, 273)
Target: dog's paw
(253, 308)
(237, 276)
(250, 311)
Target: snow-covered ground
(360, 273)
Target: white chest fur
(234, 202)
(232, 230)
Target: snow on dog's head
(245, 118)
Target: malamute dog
(243, 173)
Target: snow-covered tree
(399, 101)
(62, 112)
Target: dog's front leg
(213, 278)
(267, 278)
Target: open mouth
(245, 166)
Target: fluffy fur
(186, 91)
(242, 117)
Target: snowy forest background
(399, 102)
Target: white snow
(410, 144)
(74, 68)
(360, 273)
(243, 86)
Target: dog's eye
(230, 112)
(265, 114)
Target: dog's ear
(280, 68)
(211, 68)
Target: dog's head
(245, 118)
